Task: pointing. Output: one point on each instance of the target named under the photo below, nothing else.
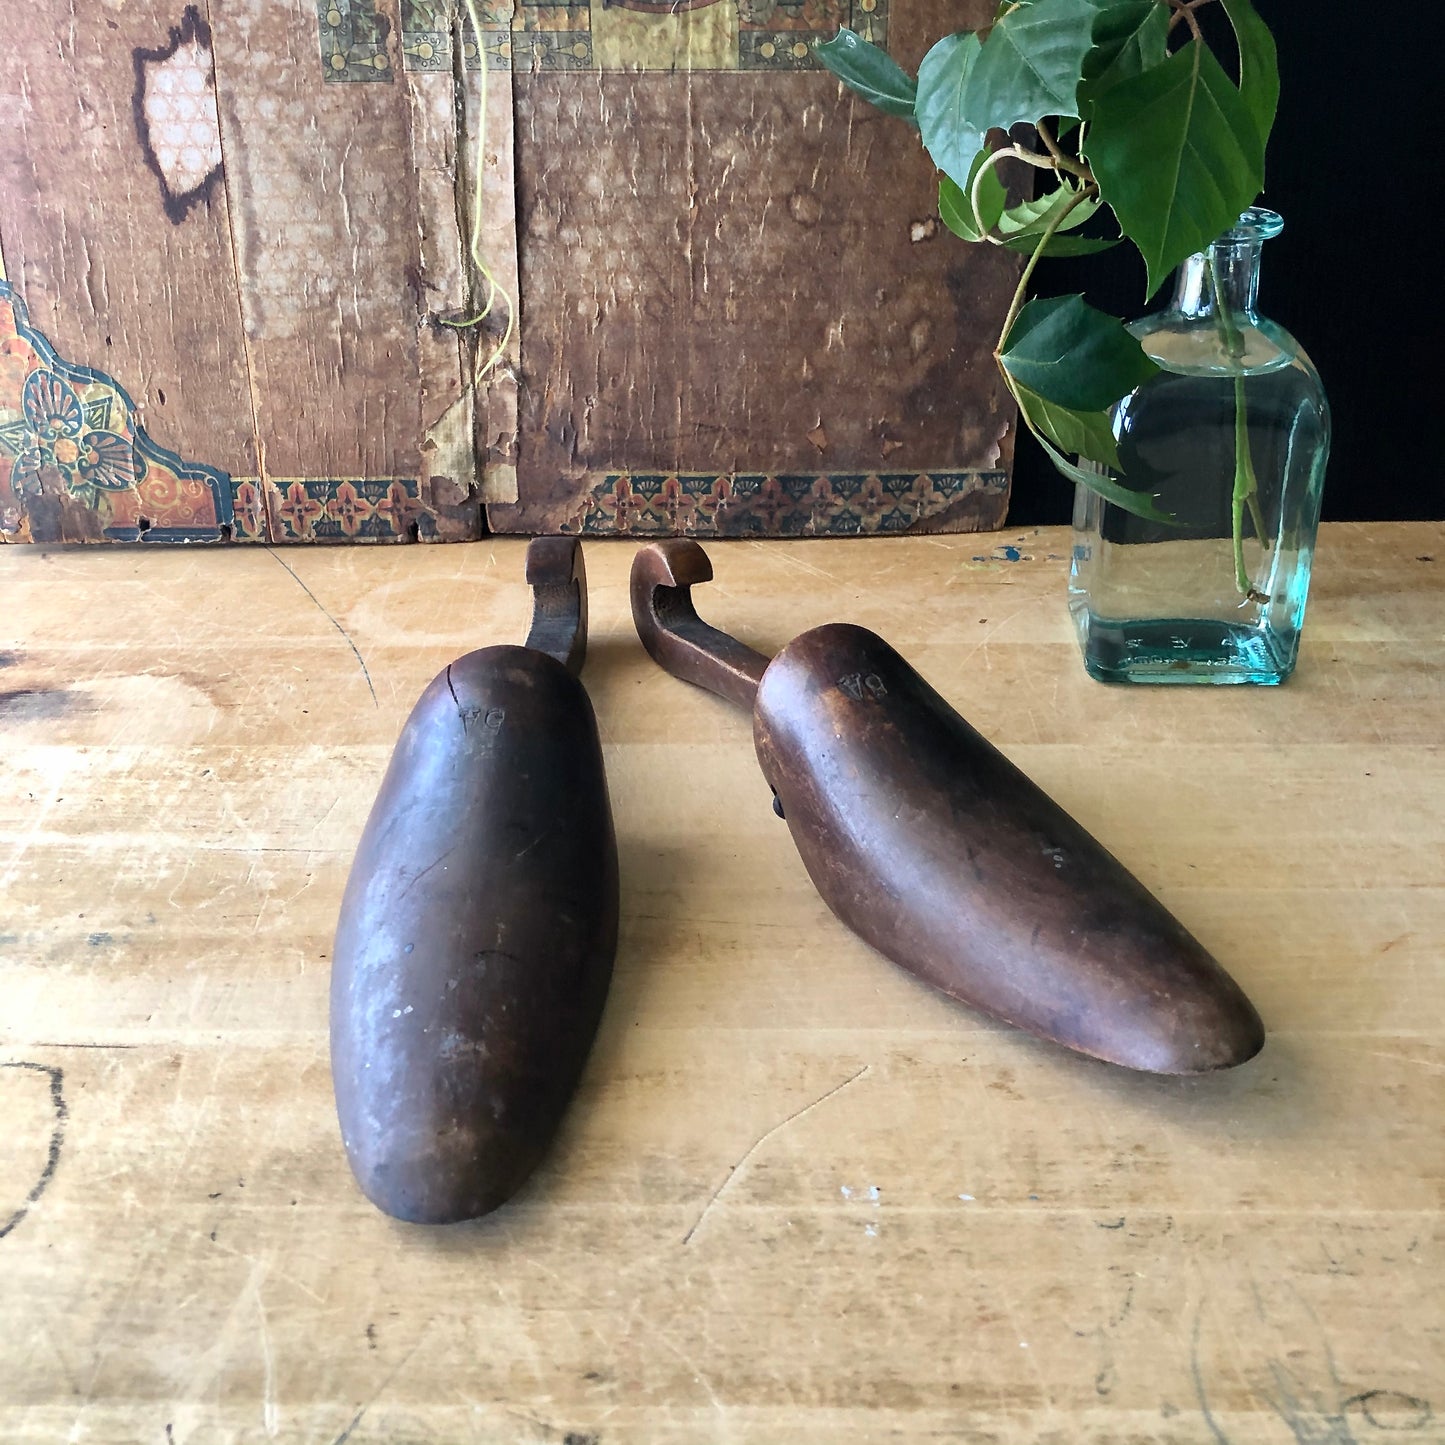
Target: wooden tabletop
(798, 1197)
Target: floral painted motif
(300, 510)
(771, 503)
(75, 465)
(250, 512)
(399, 508)
(349, 508)
(89, 460)
(674, 503)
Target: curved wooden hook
(676, 638)
(558, 579)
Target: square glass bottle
(1232, 437)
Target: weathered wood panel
(323, 191)
(733, 307)
(117, 271)
(740, 310)
(765, 292)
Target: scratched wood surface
(798, 1197)
(319, 178)
(109, 279)
(253, 217)
(730, 283)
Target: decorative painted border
(353, 36)
(359, 509)
(765, 46)
(756, 504)
(115, 457)
(78, 425)
(552, 35)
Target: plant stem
(1246, 483)
(1022, 153)
(1184, 10)
(976, 190)
(1016, 305)
(1062, 159)
(1246, 489)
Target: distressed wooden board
(118, 272)
(110, 277)
(267, 311)
(736, 285)
(798, 1197)
(329, 184)
(732, 284)
(263, 312)
(446, 392)
(736, 310)
(322, 187)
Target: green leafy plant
(1131, 110)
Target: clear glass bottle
(1232, 436)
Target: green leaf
(1141, 504)
(953, 142)
(1089, 433)
(1130, 36)
(1031, 218)
(1030, 65)
(869, 71)
(956, 209)
(1073, 355)
(1258, 67)
(1178, 155)
(1060, 245)
(1021, 227)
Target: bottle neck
(1226, 275)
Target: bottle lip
(1257, 224)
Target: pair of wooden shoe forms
(479, 925)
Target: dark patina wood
(719, 299)
(934, 848)
(478, 929)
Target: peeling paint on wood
(734, 308)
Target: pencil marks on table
(1303, 1385)
(346, 636)
(54, 1081)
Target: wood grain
(798, 1196)
(730, 272)
(794, 254)
(325, 199)
(727, 284)
(109, 278)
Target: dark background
(1350, 165)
